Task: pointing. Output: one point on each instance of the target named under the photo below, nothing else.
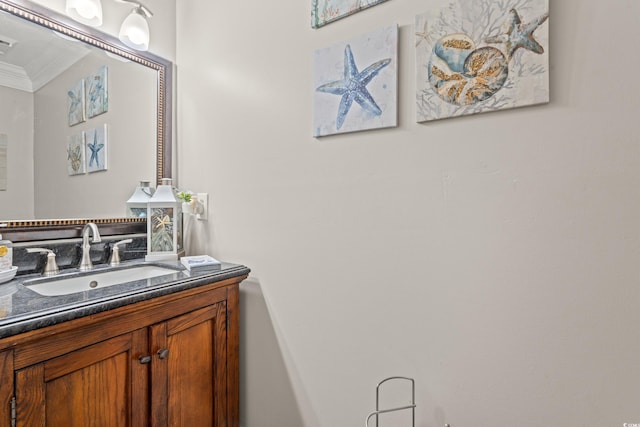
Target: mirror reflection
(78, 125)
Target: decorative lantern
(164, 224)
(137, 203)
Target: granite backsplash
(69, 252)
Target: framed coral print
(96, 93)
(75, 103)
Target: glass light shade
(164, 224)
(137, 203)
(134, 31)
(88, 12)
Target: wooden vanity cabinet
(166, 362)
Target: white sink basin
(97, 280)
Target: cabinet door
(189, 370)
(100, 385)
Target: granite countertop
(22, 309)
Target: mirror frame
(32, 230)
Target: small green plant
(185, 196)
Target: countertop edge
(75, 311)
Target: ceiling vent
(5, 44)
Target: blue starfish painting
(373, 89)
(353, 87)
(96, 149)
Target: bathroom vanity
(161, 351)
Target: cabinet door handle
(144, 359)
(162, 354)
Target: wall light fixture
(88, 12)
(134, 31)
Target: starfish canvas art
(355, 84)
(96, 149)
(479, 56)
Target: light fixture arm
(143, 9)
(139, 7)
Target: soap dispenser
(6, 254)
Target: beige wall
(16, 121)
(494, 258)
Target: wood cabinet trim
(159, 376)
(139, 408)
(233, 356)
(186, 321)
(70, 362)
(97, 329)
(220, 392)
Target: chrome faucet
(89, 228)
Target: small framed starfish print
(483, 57)
(355, 84)
(96, 149)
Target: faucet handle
(115, 251)
(51, 268)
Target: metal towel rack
(379, 411)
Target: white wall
(16, 121)
(493, 258)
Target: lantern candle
(164, 224)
